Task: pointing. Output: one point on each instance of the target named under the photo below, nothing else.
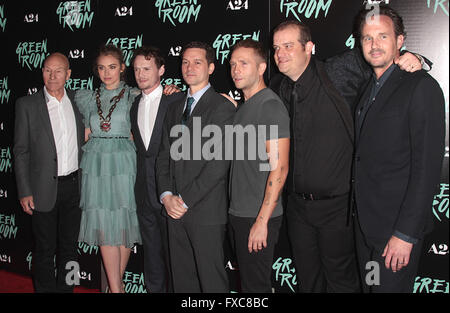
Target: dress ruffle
(95, 226)
(109, 157)
(83, 98)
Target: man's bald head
(60, 57)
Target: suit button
(358, 159)
(54, 177)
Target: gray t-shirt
(262, 117)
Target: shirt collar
(154, 94)
(385, 75)
(306, 79)
(199, 93)
(49, 97)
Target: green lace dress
(108, 172)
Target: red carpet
(15, 283)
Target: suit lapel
(134, 122)
(201, 105)
(363, 97)
(390, 85)
(45, 117)
(178, 111)
(157, 127)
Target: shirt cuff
(184, 204)
(404, 237)
(165, 193)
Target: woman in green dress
(108, 166)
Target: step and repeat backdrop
(31, 30)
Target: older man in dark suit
(400, 133)
(47, 151)
(194, 189)
(147, 117)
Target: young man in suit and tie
(400, 133)
(192, 188)
(48, 136)
(147, 116)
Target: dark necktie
(187, 111)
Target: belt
(111, 137)
(67, 177)
(312, 197)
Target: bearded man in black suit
(399, 148)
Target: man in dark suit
(47, 150)
(400, 132)
(147, 116)
(193, 188)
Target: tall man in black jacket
(400, 134)
(147, 118)
(318, 183)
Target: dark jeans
(323, 245)
(56, 234)
(255, 269)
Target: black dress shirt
(321, 150)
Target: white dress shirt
(147, 111)
(62, 119)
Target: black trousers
(197, 257)
(370, 249)
(153, 227)
(56, 234)
(323, 245)
(255, 269)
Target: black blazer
(35, 162)
(201, 183)
(398, 156)
(146, 158)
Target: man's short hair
(252, 44)
(201, 45)
(304, 30)
(379, 9)
(149, 52)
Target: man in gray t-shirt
(259, 168)
(262, 117)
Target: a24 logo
(124, 11)
(237, 5)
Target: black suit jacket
(146, 158)
(398, 156)
(35, 159)
(201, 183)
